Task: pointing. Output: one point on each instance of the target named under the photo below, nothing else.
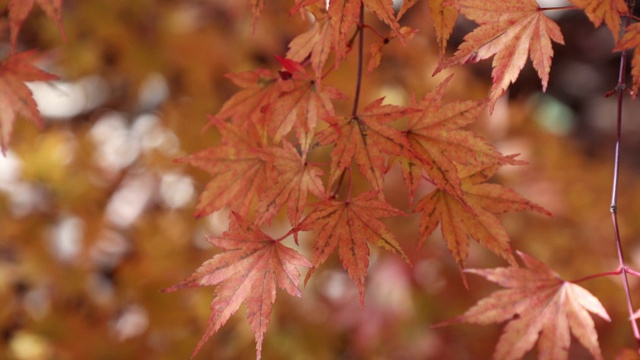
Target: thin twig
(620, 87)
(598, 275)
(356, 98)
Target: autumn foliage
(291, 152)
(272, 127)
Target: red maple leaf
(539, 306)
(15, 97)
(436, 134)
(350, 225)
(249, 270)
(241, 168)
(364, 139)
(296, 179)
(302, 102)
(19, 10)
(343, 15)
(510, 30)
(247, 106)
(474, 218)
(317, 42)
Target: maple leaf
(474, 218)
(304, 101)
(317, 42)
(444, 18)
(631, 39)
(435, 133)
(343, 15)
(296, 179)
(539, 306)
(607, 11)
(495, 198)
(520, 29)
(247, 106)
(364, 138)
(15, 97)
(19, 10)
(241, 168)
(350, 225)
(249, 270)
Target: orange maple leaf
(365, 138)
(436, 134)
(247, 106)
(296, 179)
(249, 270)
(444, 18)
(350, 225)
(19, 10)
(302, 102)
(241, 168)
(607, 11)
(474, 218)
(631, 39)
(539, 306)
(317, 42)
(510, 30)
(343, 15)
(15, 97)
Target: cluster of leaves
(285, 149)
(278, 120)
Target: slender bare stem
(356, 98)
(373, 30)
(633, 272)
(598, 275)
(620, 87)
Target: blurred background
(96, 218)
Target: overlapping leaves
(475, 216)
(271, 127)
(365, 138)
